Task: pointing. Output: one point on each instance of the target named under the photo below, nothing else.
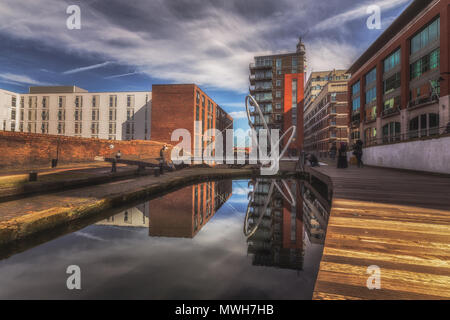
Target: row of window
(427, 35)
(426, 63)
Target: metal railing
(410, 135)
(422, 100)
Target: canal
(241, 239)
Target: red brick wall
(172, 108)
(298, 143)
(32, 150)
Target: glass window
(392, 61)
(355, 88)
(426, 36)
(371, 95)
(392, 83)
(371, 76)
(356, 104)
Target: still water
(244, 239)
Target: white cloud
(356, 13)
(21, 80)
(94, 66)
(327, 55)
(238, 114)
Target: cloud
(238, 114)
(357, 13)
(190, 41)
(122, 75)
(21, 80)
(81, 69)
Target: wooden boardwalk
(396, 220)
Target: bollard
(32, 176)
(161, 168)
(54, 163)
(113, 166)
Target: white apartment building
(73, 111)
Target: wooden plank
(397, 220)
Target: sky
(130, 45)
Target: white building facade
(73, 111)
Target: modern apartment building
(316, 82)
(277, 84)
(73, 111)
(9, 116)
(326, 118)
(186, 106)
(278, 240)
(399, 89)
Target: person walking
(333, 151)
(342, 162)
(358, 152)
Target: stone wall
(431, 155)
(30, 150)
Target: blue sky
(130, 45)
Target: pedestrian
(314, 162)
(358, 152)
(342, 162)
(333, 151)
(118, 155)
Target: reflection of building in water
(184, 212)
(278, 240)
(133, 217)
(178, 214)
(315, 214)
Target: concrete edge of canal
(36, 223)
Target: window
(391, 132)
(371, 76)
(278, 83)
(278, 106)
(13, 101)
(391, 83)
(13, 114)
(333, 97)
(371, 95)
(392, 61)
(60, 102)
(356, 104)
(278, 94)
(429, 62)
(129, 101)
(424, 125)
(426, 36)
(356, 88)
(392, 103)
(278, 63)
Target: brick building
(277, 84)
(186, 106)
(399, 89)
(326, 117)
(317, 81)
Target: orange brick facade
(179, 106)
(288, 119)
(27, 150)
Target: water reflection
(180, 214)
(136, 253)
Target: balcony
(254, 89)
(254, 66)
(390, 112)
(423, 101)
